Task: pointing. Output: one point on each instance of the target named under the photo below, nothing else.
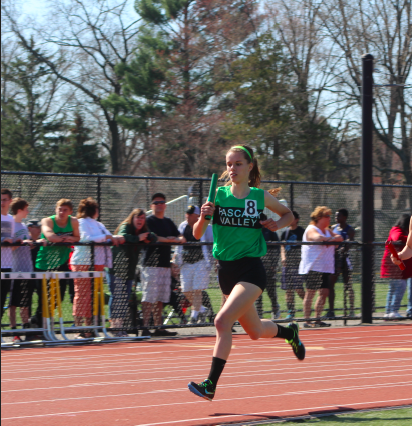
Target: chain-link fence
(139, 293)
(119, 195)
(142, 291)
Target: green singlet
(237, 231)
(52, 257)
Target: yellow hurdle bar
(59, 299)
(96, 297)
(45, 301)
(102, 312)
(52, 298)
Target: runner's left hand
(270, 224)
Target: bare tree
(93, 37)
(297, 24)
(384, 29)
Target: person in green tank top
(59, 228)
(238, 246)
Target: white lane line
(271, 358)
(193, 348)
(178, 367)
(233, 364)
(179, 403)
(299, 381)
(307, 333)
(187, 367)
(295, 368)
(156, 361)
(248, 384)
(78, 365)
(81, 360)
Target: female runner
(238, 246)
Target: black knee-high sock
(285, 333)
(218, 365)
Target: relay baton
(212, 193)
(392, 249)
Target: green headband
(244, 149)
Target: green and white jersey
(237, 231)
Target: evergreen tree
(29, 127)
(169, 87)
(76, 155)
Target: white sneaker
(275, 315)
(395, 315)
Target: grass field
(391, 417)
(214, 292)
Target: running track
(145, 383)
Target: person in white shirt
(90, 231)
(318, 262)
(22, 290)
(7, 233)
(194, 262)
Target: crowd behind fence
(107, 305)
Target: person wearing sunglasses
(156, 272)
(318, 263)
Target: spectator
(397, 278)
(405, 254)
(178, 301)
(59, 228)
(90, 230)
(156, 274)
(34, 228)
(22, 291)
(134, 230)
(291, 280)
(317, 262)
(270, 262)
(342, 263)
(7, 233)
(195, 264)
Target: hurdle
(45, 330)
(97, 303)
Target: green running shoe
(297, 346)
(205, 389)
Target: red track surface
(145, 383)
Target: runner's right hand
(207, 210)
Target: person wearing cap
(156, 273)
(194, 262)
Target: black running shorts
(247, 269)
(317, 280)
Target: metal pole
(200, 202)
(147, 194)
(367, 210)
(291, 196)
(99, 195)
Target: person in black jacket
(156, 272)
(125, 258)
